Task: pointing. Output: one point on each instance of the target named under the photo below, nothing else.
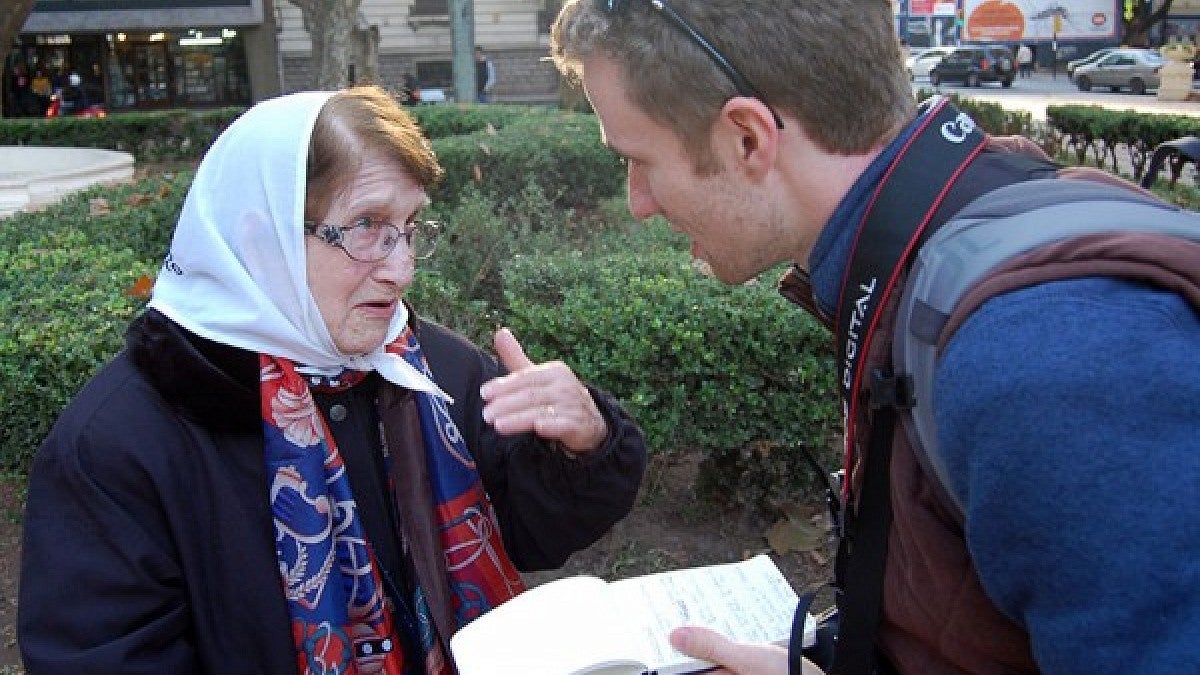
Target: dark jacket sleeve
(549, 505)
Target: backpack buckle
(888, 390)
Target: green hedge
(440, 121)
(148, 136)
(700, 364)
(1092, 134)
(63, 311)
(558, 151)
(65, 299)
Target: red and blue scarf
(332, 581)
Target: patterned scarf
(335, 592)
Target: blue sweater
(1068, 414)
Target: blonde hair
(356, 122)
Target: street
(1034, 93)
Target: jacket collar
(214, 384)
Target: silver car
(1090, 58)
(1134, 69)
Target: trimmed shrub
(140, 216)
(63, 312)
(66, 296)
(153, 136)
(441, 121)
(698, 363)
(558, 151)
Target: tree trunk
(330, 25)
(1137, 29)
(366, 54)
(10, 25)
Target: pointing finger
(509, 351)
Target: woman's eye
(365, 223)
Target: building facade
(148, 54)
(414, 38)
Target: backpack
(940, 258)
(997, 226)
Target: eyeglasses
(371, 240)
(743, 86)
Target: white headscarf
(236, 271)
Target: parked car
(1090, 58)
(1135, 69)
(922, 61)
(974, 65)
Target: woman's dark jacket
(149, 542)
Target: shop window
(192, 68)
(435, 74)
(429, 8)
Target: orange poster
(995, 20)
(1017, 20)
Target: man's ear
(749, 127)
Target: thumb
(509, 351)
(735, 657)
(702, 643)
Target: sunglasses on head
(743, 86)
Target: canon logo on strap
(957, 130)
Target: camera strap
(892, 230)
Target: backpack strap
(995, 228)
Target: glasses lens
(424, 238)
(369, 240)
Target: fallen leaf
(138, 199)
(164, 190)
(140, 288)
(477, 173)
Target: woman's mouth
(378, 308)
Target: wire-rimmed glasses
(743, 86)
(371, 240)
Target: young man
(485, 76)
(1065, 410)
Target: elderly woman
(286, 470)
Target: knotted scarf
(332, 580)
